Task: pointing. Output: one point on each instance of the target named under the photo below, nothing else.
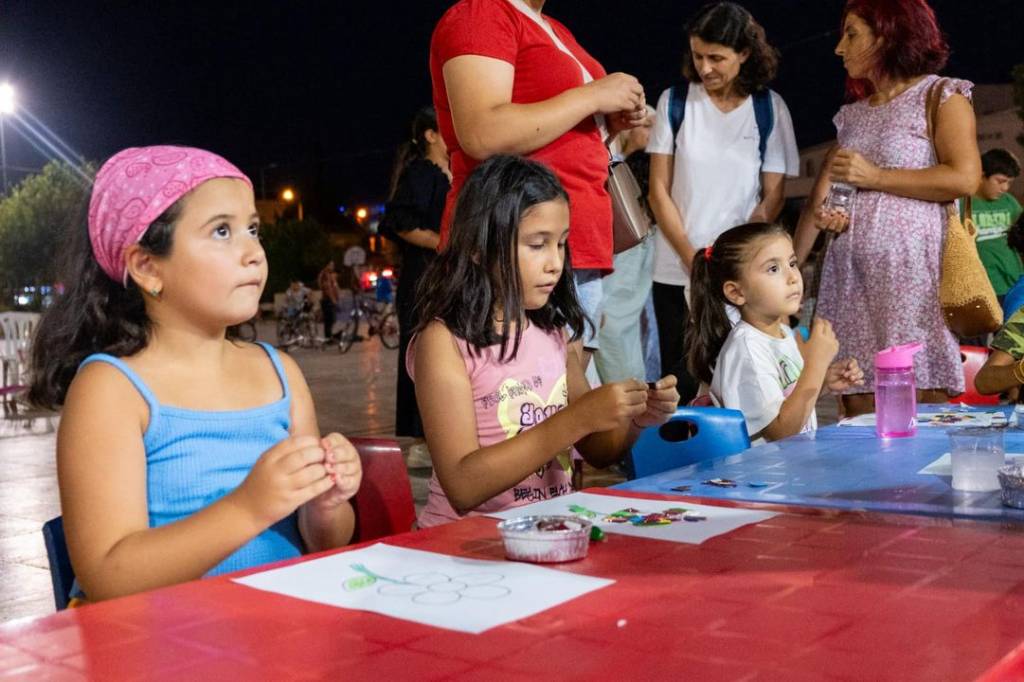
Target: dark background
(317, 95)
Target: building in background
(998, 126)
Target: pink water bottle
(896, 391)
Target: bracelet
(1018, 371)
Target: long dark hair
(95, 314)
(413, 148)
(728, 24)
(711, 270)
(477, 274)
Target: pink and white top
(509, 398)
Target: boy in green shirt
(994, 210)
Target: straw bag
(630, 222)
(969, 303)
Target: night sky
(318, 94)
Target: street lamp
(288, 195)
(6, 108)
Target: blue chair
(61, 573)
(693, 434)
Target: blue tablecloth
(844, 467)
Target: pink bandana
(135, 186)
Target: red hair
(912, 42)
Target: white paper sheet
(596, 508)
(943, 466)
(467, 595)
(949, 418)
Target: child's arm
(327, 521)
(470, 474)
(796, 409)
(101, 468)
(1000, 373)
(603, 448)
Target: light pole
(6, 108)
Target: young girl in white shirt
(757, 366)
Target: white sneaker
(419, 457)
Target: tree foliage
(295, 250)
(34, 221)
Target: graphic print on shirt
(789, 372)
(520, 405)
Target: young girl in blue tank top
(181, 453)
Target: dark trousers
(327, 311)
(407, 413)
(673, 317)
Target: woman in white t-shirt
(719, 168)
(756, 366)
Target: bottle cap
(897, 357)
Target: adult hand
(844, 374)
(609, 406)
(831, 220)
(341, 460)
(822, 345)
(626, 120)
(850, 167)
(662, 402)
(284, 477)
(615, 93)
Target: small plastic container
(896, 391)
(1011, 484)
(545, 539)
(840, 198)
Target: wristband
(1018, 371)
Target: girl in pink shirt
(495, 359)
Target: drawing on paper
(433, 588)
(638, 518)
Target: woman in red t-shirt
(508, 79)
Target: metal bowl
(530, 538)
(1011, 482)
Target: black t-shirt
(418, 204)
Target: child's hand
(662, 402)
(822, 345)
(844, 374)
(284, 478)
(609, 406)
(343, 467)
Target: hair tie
(707, 254)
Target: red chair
(974, 358)
(384, 503)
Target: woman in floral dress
(880, 282)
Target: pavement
(354, 395)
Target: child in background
(180, 453)
(994, 210)
(499, 380)
(756, 366)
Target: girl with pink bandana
(181, 453)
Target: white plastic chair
(17, 329)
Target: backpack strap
(764, 115)
(677, 107)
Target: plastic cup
(840, 198)
(976, 454)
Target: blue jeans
(622, 342)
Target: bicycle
(380, 319)
(297, 329)
(245, 331)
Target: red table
(797, 597)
